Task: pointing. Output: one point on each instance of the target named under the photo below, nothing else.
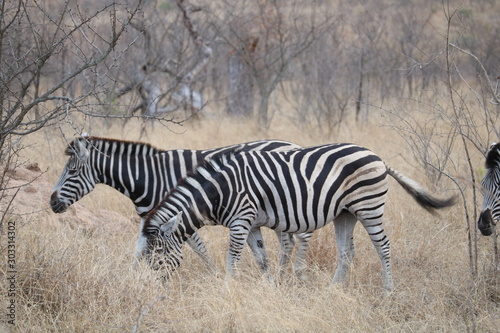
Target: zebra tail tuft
(422, 197)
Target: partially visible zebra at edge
(490, 212)
(295, 191)
(146, 174)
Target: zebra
(146, 174)
(294, 191)
(490, 212)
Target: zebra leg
(256, 243)
(300, 262)
(344, 228)
(287, 244)
(238, 234)
(199, 247)
(141, 247)
(383, 246)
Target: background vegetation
(415, 81)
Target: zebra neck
(115, 178)
(193, 221)
(194, 214)
(141, 172)
(121, 165)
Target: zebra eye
(73, 165)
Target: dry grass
(75, 275)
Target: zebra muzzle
(57, 205)
(485, 223)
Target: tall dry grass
(78, 277)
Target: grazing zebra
(490, 212)
(296, 191)
(146, 174)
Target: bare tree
(44, 48)
(464, 119)
(317, 87)
(264, 37)
(241, 82)
(166, 65)
(367, 52)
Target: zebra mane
(98, 143)
(221, 159)
(213, 164)
(493, 156)
(210, 166)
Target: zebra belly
(285, 223)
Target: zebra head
(165, 247)
(490, 212)
(76, 180)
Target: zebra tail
(422, 197)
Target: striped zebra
(146, 174)
(294, 192)
(490, 213)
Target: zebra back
(299, 190)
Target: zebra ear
(81, 152)
(172, 224)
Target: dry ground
(74, 270)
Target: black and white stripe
(145, 175)
(490, 212)
(294, 192)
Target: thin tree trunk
(263, 110)
(360, 86)
(241, 88)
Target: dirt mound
(28, 192)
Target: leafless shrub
(54, 57)
(450, 135)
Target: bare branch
(143, 313)
(494, 92)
